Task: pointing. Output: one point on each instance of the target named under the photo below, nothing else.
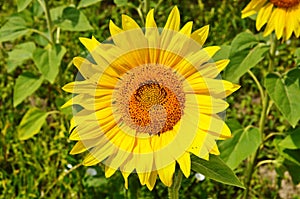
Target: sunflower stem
(173, 191)
(44, 5)
(264, 113)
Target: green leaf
(120, 3)
(285, 92)
(22, 4)
(293, 170)
(291, 155)
(242, 41)
(291, 141)
(70, 19)
(239, 64)
(15, 27)
(48, 61)
(297, 54)
(19, 54)
(215, 169)
(31, 123)
(244, 143)
(26, 84)
(223, 53)
(86, 3)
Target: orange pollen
(155, 106)
(285, 3)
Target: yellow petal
(173, 22)
(114, 29)
(206, 103)
(280, 22)
(128, 23)
(86, 68)
(211, 50)
(98, 154)
(144, 177)
(83, 145)
(187, 28)
(263, 15)
(271, 23)
(150, 22)
(166, 174)
(201, 35)
(214, 87)
(215, 150)
(214, 125)
(125, 176)
(212, 69)
(79, 147)
(152, 179)
(90, 44)
(185, 164)
(109, 171)
(290, 25)
(252, 8)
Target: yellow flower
(283, 16)
(149, 98)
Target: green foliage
(215, 169)
(31, 123)
(244, 143)
(26, 84)
(19, 54)
(285, 92)
(22, 4)
(14, 28)
(48, 61)
(70, 19)
(245, 53)
(291, 141)
(86, 3)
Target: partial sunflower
(149, 98)
(281, 16)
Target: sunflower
(283, 16)
(149, 97)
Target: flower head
(149, 98)
(281, 16)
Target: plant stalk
(45, 7)
(263, 116)
(173, 191)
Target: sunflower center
(285, 3)
(150, 99)
(157, 104)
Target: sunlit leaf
(241, 62)
(245, 141)
(285, 92)
(215, 169)
(223, 53)
(19, 54)
(31, 123)
(120, 2)
(26, 84)
(22, 4)
(242, 41)
(291, 141)
(70, 19)
(48, 61)
(86, 3)
(15, 27)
